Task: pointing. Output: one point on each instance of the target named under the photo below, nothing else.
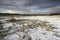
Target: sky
(30, 6)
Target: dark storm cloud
(54, 10)
(44, 3)
(49, 6)
(27, 5)
(13, 4)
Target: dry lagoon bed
(30, 28)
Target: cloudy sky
(30, 6)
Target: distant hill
(54, 13)
(8, 14)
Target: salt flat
(37, 33)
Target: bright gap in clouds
(10, 11)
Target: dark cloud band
(24, 5)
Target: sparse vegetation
(26, 25)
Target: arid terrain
(30, 27)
